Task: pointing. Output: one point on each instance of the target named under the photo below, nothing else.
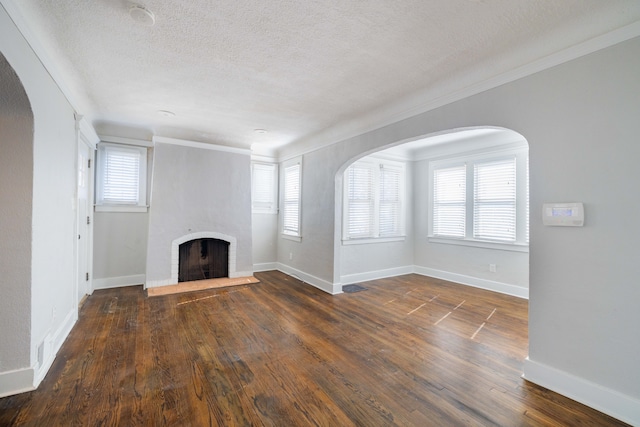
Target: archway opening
(477, 236)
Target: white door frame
(88, 138)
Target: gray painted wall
(580, 119)
(120, 244)
(197, 190)
(265, 238)
(16, 193)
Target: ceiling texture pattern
(293, 68)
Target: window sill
(513, 247)
(369, 240)
(292, 237)
(115, 208)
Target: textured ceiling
(295, 68)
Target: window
(373, 200)
(481, 199)
(121, 178)
(263, 188)
(291, 199)
(494, 200)
(449, 201)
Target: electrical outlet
(290, 255)
(53, 313)
(492, 268)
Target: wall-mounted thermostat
(563, 214)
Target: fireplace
(213, 254)
(201, 259)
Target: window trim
(109, 206)
(521, 154)
(376, 164)
(295, 235)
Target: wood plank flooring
(408, 351)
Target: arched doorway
(16, 200)
(492, 259)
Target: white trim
(291, 237)
(259, 158)
(423, 101)
(503, 288)
(16, 381)
(79, 103)
(201, 145)
(369, 240)
(265, 266)
(126, 141)
(375, 275)
(513, 247)
(323, 285)
(52, 344)
(611, 402)
(87, 132)
(119, 281)
(120, 208)
(159, 283)
(175, 252)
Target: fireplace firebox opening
(201, 259)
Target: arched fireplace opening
(201, 259)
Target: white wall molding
(126, 141)
(52, 344)
(119, 281)
(17, 381)
(200, 145)
(503, 288)
(331, 288)
(374, 275)
(610, 402)
(265, 266)
(158, 283)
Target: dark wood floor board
(284, 353)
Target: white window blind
(494, 213)
(390, 201)
(361, 200)
(291, 214)
(374, 192)
(449, 202)
(121, 175)
(263, 188)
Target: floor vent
(349, 289)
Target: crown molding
(77, 103)
(422, 102)
(200, 145)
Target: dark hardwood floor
(409, 351)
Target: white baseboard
(119, 282)
(241, 274)
(265, 266)
(331, 288)
(52, 344)
(610, 402)
(503, 288)
(17, 381)
(374, 275)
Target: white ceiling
(294, 68)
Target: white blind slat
(121, 176)
(264, 187)
(494, 214)
(449, 201)
(291, 214)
